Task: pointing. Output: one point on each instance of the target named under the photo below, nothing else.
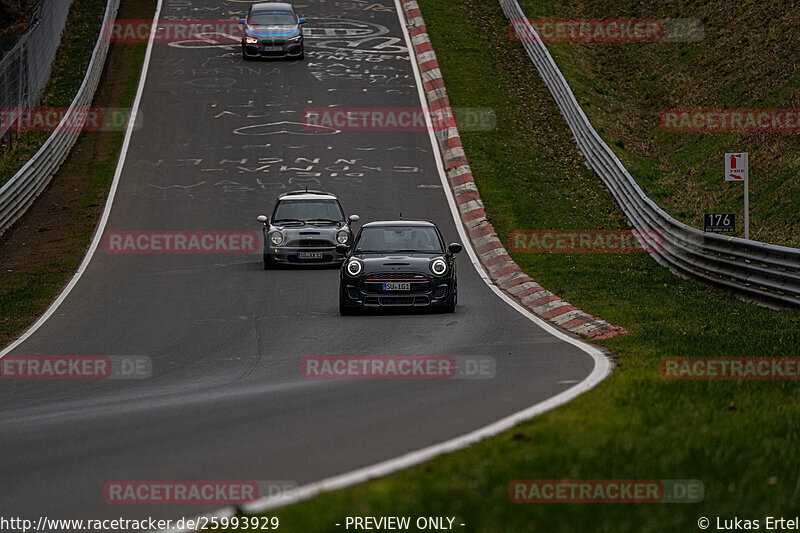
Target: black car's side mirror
(342, 248)
(262, 218)
(353, 218)
(454, 247)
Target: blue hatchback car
(272, 29)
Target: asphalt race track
(220, 138)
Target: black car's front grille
(276, 42)
(396, 300)
(373, 283)
(396, 276)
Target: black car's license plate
(397, 286)
(309, 255)
(272, 48)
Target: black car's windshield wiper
(295, 220)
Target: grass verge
(741, 62)
(42, 251)
(741, 439)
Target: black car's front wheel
(451, 307)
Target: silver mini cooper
(304, 229)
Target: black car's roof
(272, 6)
(419, 223)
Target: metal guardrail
(22, 189)
(764, 272)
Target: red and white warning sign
(736, 167)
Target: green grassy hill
(747, 59)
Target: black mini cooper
(398, 263)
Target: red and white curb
(505, 273)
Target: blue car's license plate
(397, 286)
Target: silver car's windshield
(272, 18)
(399, 239)
(308, 210)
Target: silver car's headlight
(342, 237)
(251, 40)
(354, 267)
(275, 238)
(439, 266)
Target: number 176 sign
(719, 222)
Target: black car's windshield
(399, 239)
(272, 18)
(308, 210)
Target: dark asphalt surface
(227, 399)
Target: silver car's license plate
(309, 255)
(397, 286)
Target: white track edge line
(600, 371)
(98, 236)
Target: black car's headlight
(439, 266)
(342, 237)
(295, 38)
(276, 238)
(251, 40)
(354, 267)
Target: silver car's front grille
(309, 243)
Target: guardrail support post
(747, 206)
